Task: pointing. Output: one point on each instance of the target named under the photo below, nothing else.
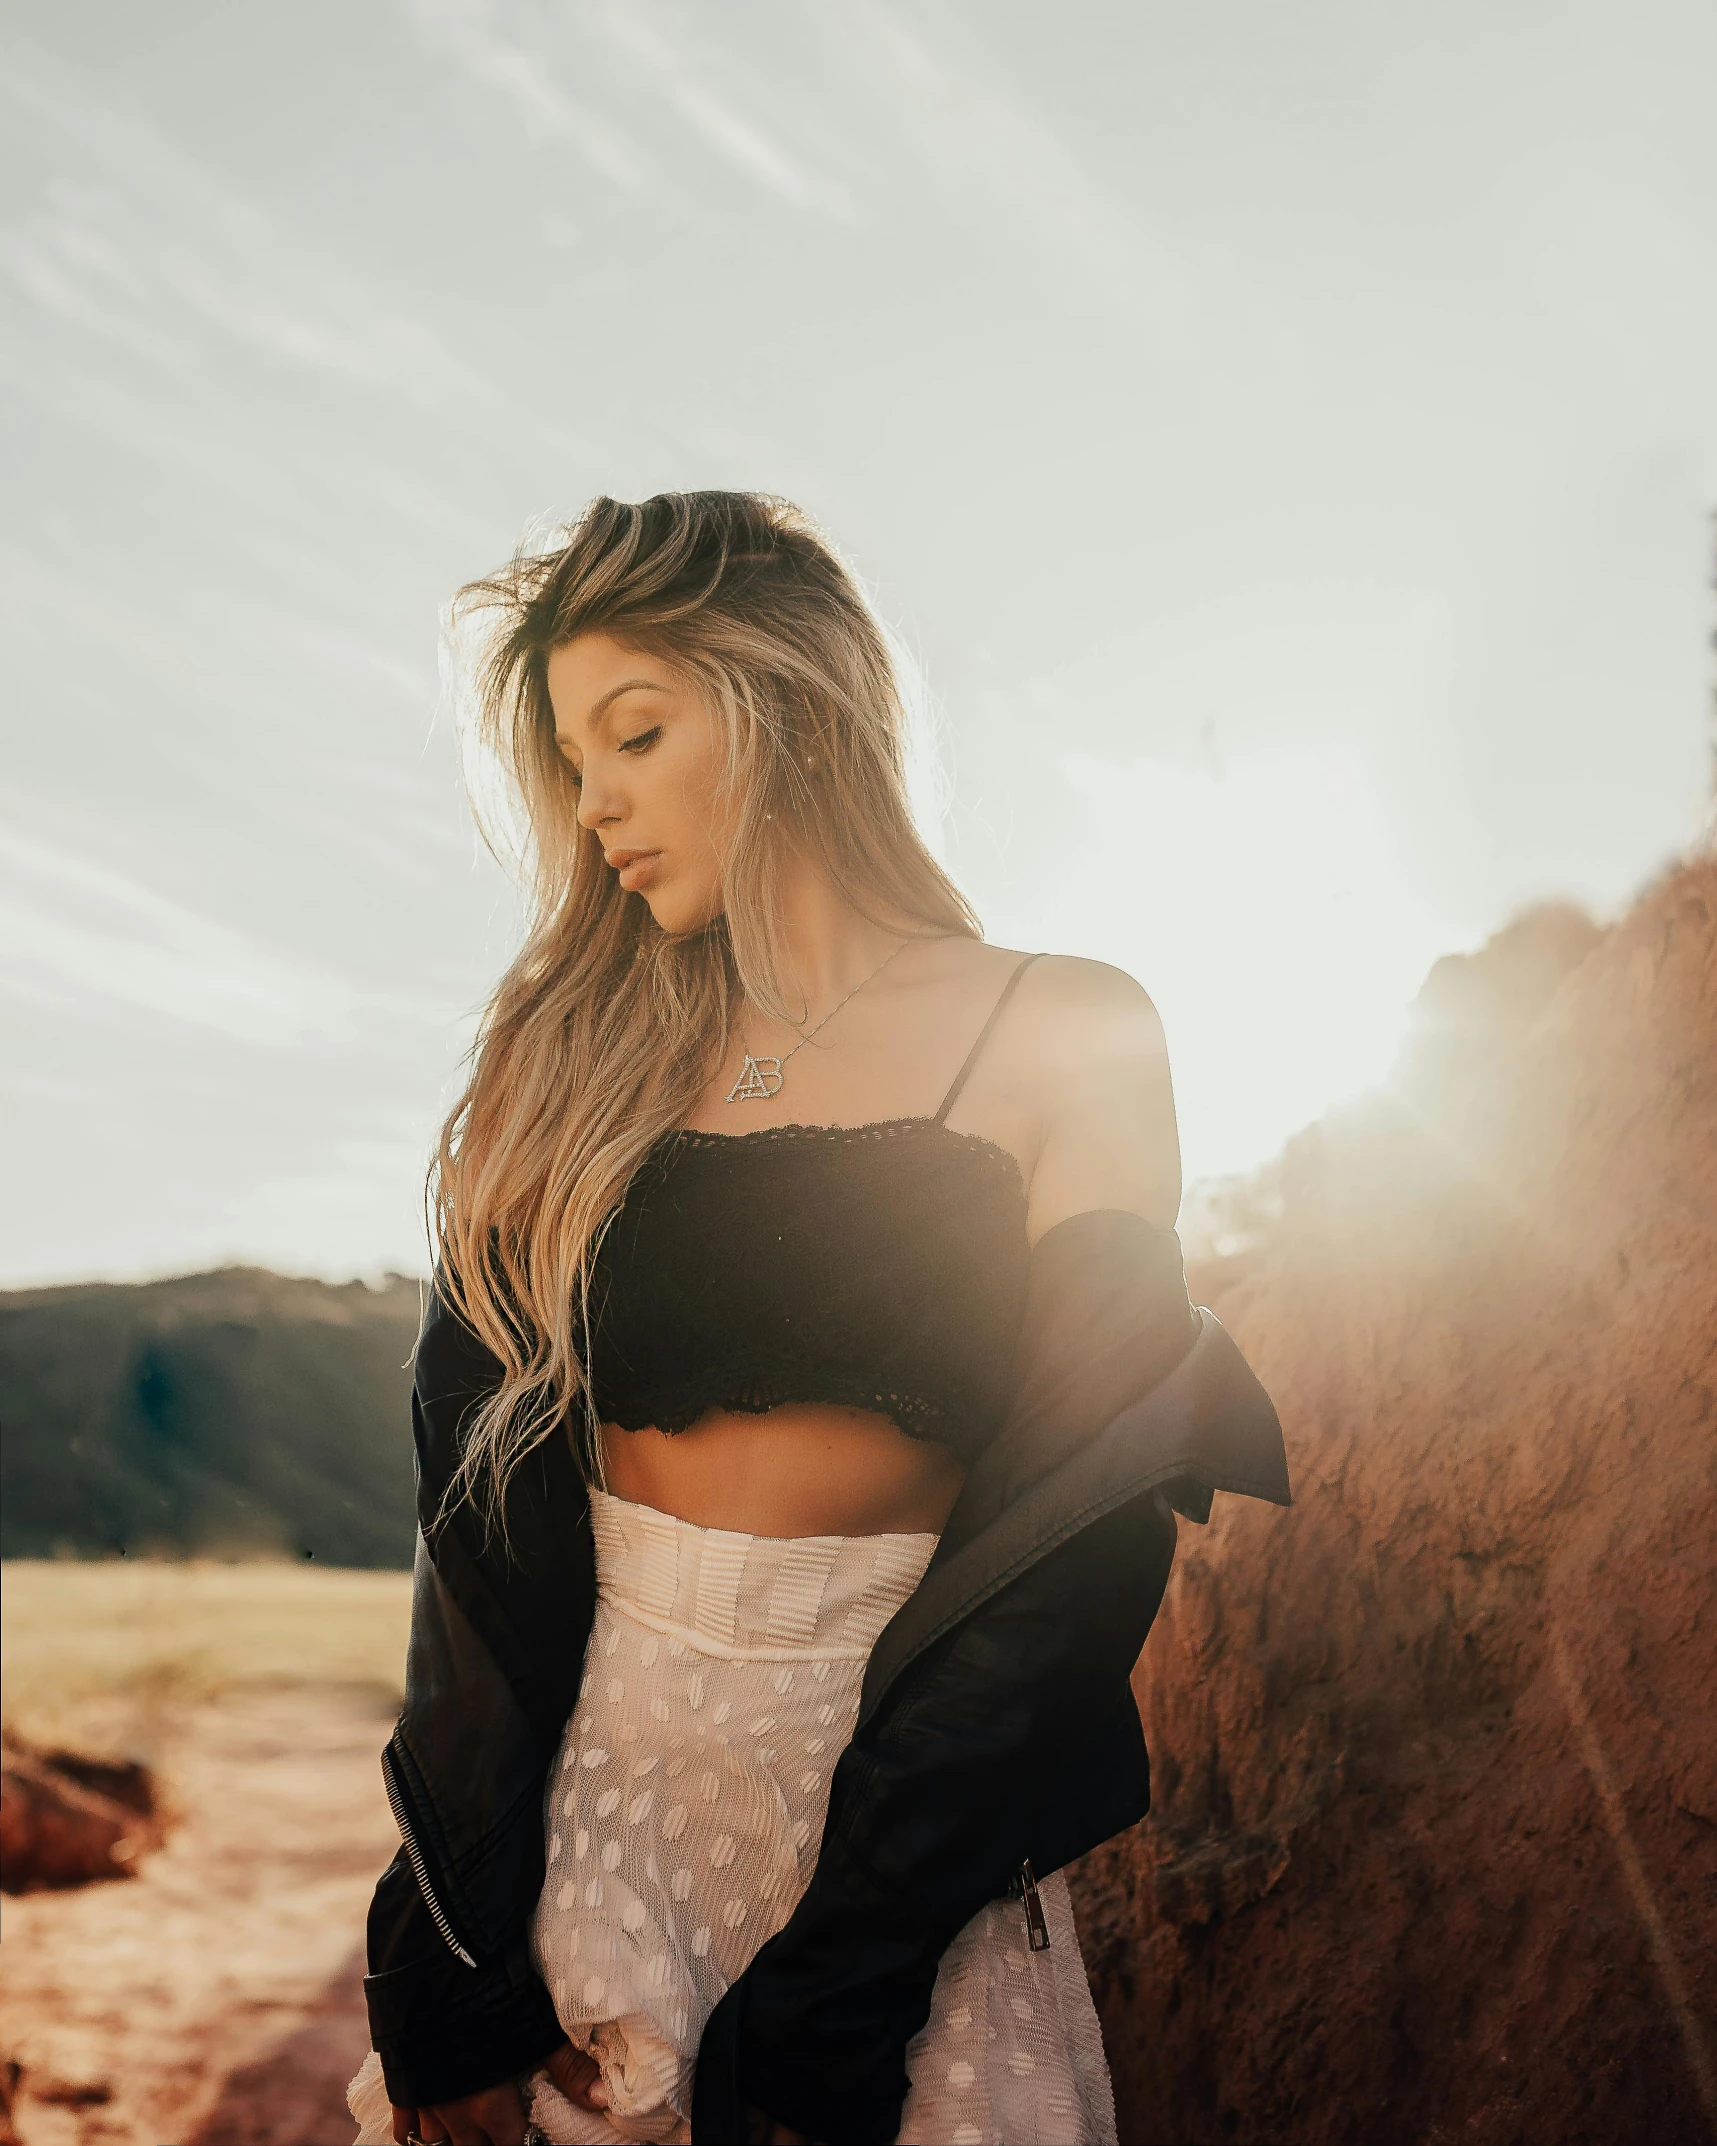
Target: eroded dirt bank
(1434, 1853)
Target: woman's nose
(598, 805)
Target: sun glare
(1264, 914)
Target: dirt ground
(215, 1999)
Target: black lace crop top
(878, 1266)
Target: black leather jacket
(996, 1729)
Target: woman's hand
(497, 2116)
(762, 2129)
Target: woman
(804, 1398)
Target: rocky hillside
(233, 1413)
(1434, 1853)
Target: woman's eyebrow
(601, 708)
(626, 685)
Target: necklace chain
(852, 994)
(760, 1078)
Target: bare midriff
(803, 1469)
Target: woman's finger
(495, 2117)
(579, 2077)
(404, 2124)
(463, 2127)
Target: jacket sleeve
(932, 1809)
(497, 1640)
(455, 2002)
(441, 2027)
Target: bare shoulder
(1092, 1048)
(1110, 1007)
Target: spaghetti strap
(983, 1037)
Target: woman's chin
(676, 915)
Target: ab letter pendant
(758, 1079)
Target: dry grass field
(153, 1634)
(213, 1999)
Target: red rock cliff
(1434, 1852)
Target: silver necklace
(760, 1078)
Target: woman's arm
(498, 1627)
(457, 2009)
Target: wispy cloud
(988, 151)
(557, 80)
(145, 250)
(682, 76)
(74, 932)
(512, 60)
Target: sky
(1286, 440)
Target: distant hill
(238, 1412)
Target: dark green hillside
(235, 1412)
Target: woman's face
(643, 749)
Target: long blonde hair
(605, 1030)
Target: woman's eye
(643, 741)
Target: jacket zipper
(1036, 1923)
(415, 1858)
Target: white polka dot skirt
(684, 1814)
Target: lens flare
(1266, 915)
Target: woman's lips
(636, 867)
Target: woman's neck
(827, 947)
